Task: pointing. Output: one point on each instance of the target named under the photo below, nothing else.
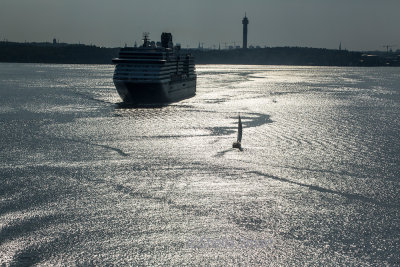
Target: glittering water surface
(86, 181)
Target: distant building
(54, 41)
(245, 22)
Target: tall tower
(245, 21)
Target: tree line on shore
(89, 54)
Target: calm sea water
(85, 181)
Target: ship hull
(155, 92)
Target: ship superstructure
(154, 72)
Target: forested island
(55, 53)
(90, 54)
(295, 56)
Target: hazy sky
(358, 24)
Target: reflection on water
(88, 180)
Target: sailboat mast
(239, 137)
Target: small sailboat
(238, 143)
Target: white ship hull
(155, 92)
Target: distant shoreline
(61, 53)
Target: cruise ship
(154, 72)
